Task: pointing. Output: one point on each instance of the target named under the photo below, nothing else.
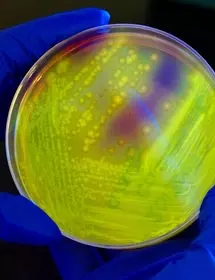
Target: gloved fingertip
(208, 205)
(206, 220)
(23, 222)
(105, 17)
(74, 260)
(209, 196)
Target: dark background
(190, 23)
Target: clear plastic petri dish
(110, 134)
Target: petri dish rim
(17, 99)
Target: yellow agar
(119, 191)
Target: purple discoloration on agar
(144, 110)
(165, 82)
(168, 74)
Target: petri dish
(110, 134)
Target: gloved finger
(89, 262)
(25, 43)
(207, 220)
(197, 263)
(22, 45)
(23, 222)
(75, 260)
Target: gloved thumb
(22, 45)
(23, 222)
(207, 220)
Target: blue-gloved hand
(188, 256)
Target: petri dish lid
(110, 134)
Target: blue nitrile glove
(188, 256)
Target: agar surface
(114, 141)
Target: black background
(192, 24)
